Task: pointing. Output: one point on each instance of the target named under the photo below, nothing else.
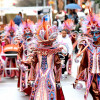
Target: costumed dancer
(27, 28)
(89, 70)
(1, 58)
(46, 65)
(9, 48)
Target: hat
(68, 24)
(46, 34)
(91, 24)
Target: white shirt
(66, 42)
(61, 16)
(59, 25)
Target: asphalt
(9, 90)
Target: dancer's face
(27, 33)
(96, 35)
(11, 32)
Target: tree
(97, 1)
(60, 5)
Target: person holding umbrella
(18, 19)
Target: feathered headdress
(46, 34)
(11, 26)
(27, 26)
(68, 24)
(91, 24)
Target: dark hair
(57, 22)
(66, 17)
(67, 31)
(20, 13)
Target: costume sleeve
(20, 51)
(27, 62)
(31, 63)
(0, 41)
(34, 62)
(57, 63)
(84, 62)
(6, 42)
(94, 88)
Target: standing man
(18, 19)
(65, 40)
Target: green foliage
(97, 1)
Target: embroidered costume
(89, 70)
(46, 65)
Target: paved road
(9, 90)
(69, 92)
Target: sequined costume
(89, 70)
(46, 65)
(27, 30)
(10, 32)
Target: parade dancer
(46, 65)
(27, 29)
(9, 48)
(1, 58)
(89, 70)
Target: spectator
(66, 17)
(60, 15)
(75, 16)
(59, 24)
(18, 18)
(55, 22)
(65, 40)
(78, 26)
(70, 16)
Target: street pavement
(69, 92)
(9, 90)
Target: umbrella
(72, 6)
